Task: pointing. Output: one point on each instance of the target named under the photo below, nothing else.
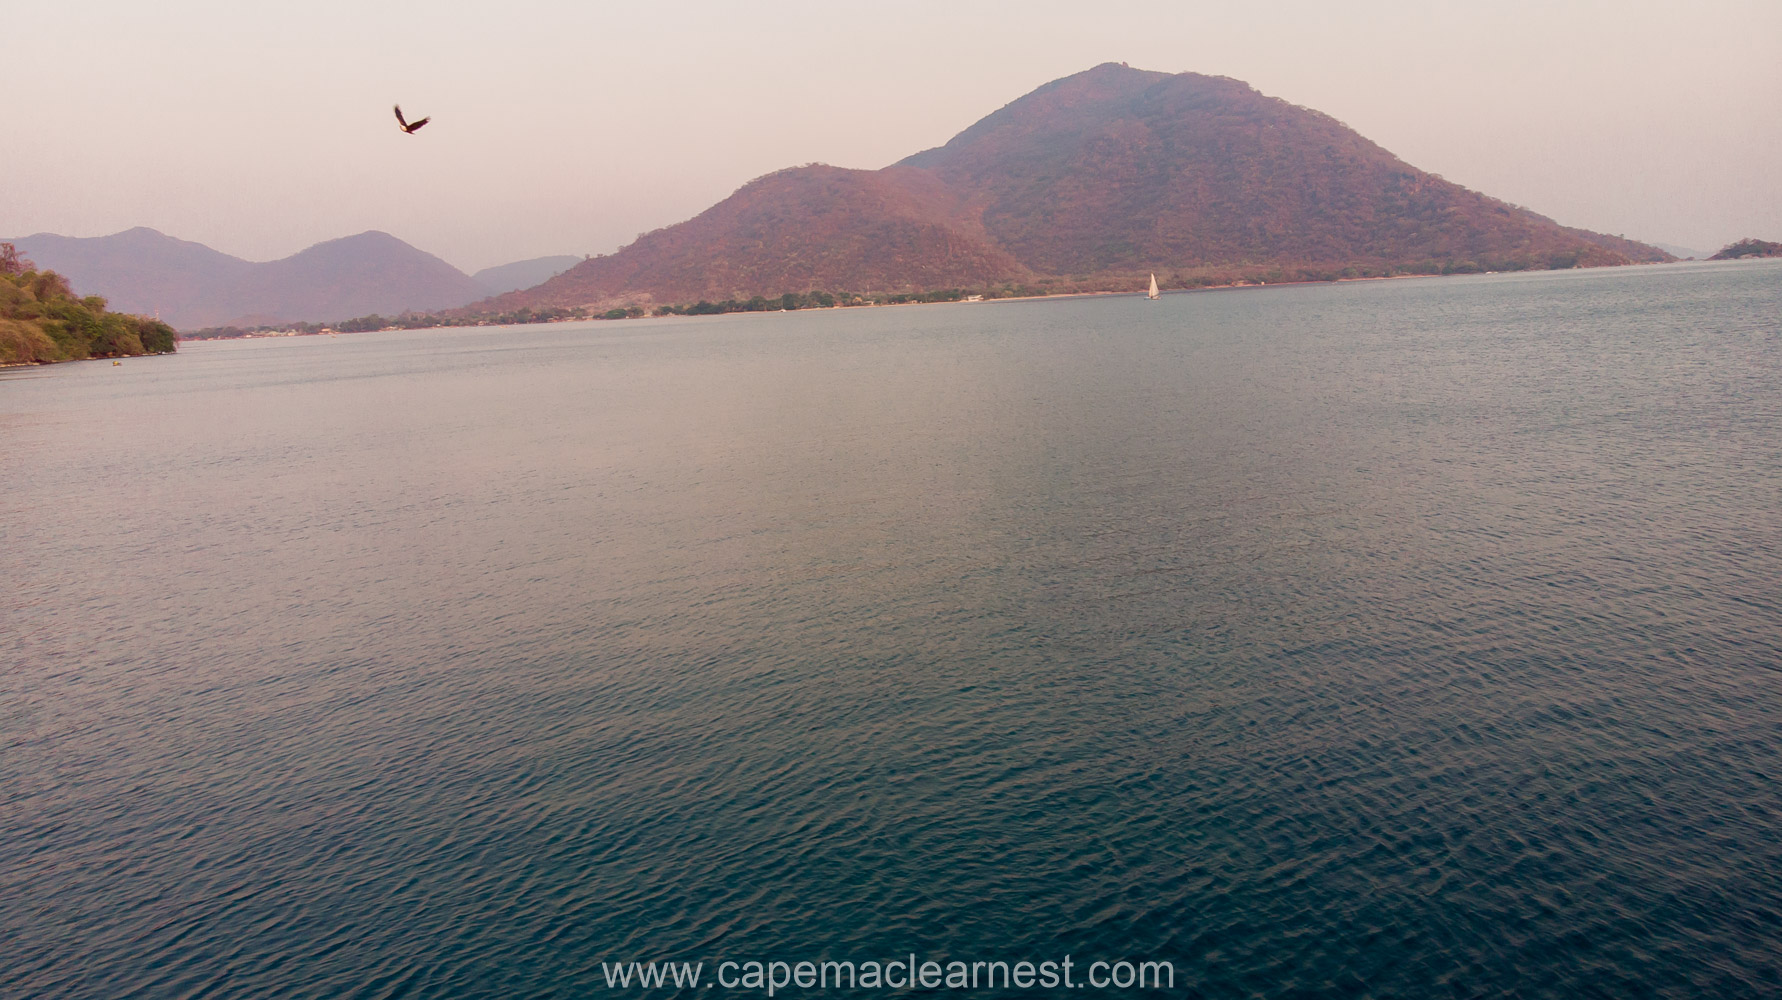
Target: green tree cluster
(760, 303)
(42, 320)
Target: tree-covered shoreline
(41, 320)
(1194, 279)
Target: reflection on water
(1393, 638)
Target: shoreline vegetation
(1748, 248)
(42, 321)
(797, 301)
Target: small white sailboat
(1152, 294)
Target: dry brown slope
(804, 229)
(1116, 169)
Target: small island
(41, 320)
(1748, 248)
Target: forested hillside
(42, 320)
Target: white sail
(1153, 292)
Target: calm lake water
(1396, 639)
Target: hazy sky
(565, 127)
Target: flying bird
(410, 127)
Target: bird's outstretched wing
(412, 129)
(401, 121)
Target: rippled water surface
(1398, 639)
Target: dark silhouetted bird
(410, 127)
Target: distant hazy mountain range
(1682, 252)
(1090, 181)
(522, 273)
(190, 286)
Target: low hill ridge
(1750, 246)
